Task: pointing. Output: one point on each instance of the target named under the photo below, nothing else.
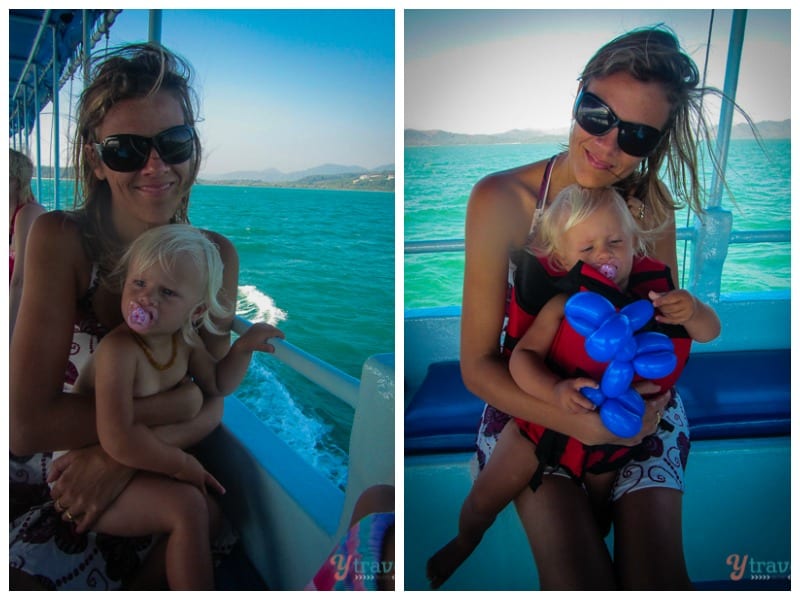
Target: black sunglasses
(596, 118)
(127, 152)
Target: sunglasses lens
(175, 145)
(596, 118)
(637, 140)
(126, 152)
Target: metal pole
(735, 44)
(155, 26)
(86, 47)
(38, 133)
(24, 112)
(34, 49)
(713, 232)
(56, 119)
(20, 125)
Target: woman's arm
(42, 417)
(497, 222)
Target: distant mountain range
(321, 172)
(327, 176)
(437, 137)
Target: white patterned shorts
(658, 461)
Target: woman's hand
(654, 408)
(591, 431)
(85, 483)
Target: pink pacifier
(608, 270)
(140, 319)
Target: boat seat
(726, 395)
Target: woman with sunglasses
(136, 156)
(633, 114)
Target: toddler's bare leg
(509, 470)
(155, 504)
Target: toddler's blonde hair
(167, 244)
(573, 205)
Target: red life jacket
(535, 283)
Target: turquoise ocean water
(320, 265)
(438, 182)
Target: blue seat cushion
(726, 395)
(444, 414)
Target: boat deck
(737, 500)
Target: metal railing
(333, 380)
(753, 236)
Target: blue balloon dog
(610, 338)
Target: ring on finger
(69, 517)
(658, 417)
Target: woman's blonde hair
(20, 168)
(165, 246)
(129, 72)
(573, 205)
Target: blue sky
(482, 71)
(284, 89)
(295, 89)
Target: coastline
(346, 184)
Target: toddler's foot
(445, 562)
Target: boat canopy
(45, 49)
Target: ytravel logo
(361, 570)
(744, 566)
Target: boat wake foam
(255, 305)
(273, 403)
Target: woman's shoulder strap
(544, 188)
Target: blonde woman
(23, 209)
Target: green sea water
(438, 181)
